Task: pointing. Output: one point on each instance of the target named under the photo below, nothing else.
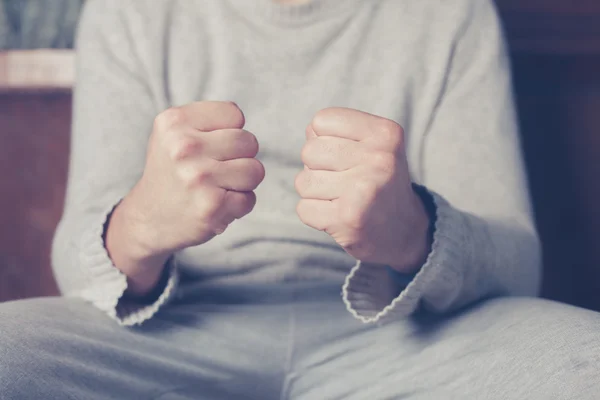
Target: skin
(201, 171)
(199, 177)
(356, 187)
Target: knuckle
(170, 117)
(300, 182)
(212, 203)
(185, 174)
(325, 146)
(384, 161)
(307, 151)
(247, 141)
(260, 169)
(256, 171)
(202, 176)
(234, 113)
(248, 203)
(184, 147)
(322, 116)
(194, 176)
(390, 131)
(308, 132)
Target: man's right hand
(199, 177)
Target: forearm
(475, 256)
(472, 257)
(126, 242)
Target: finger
(204, 116)
(242, 174)
(380, 133)
(321, 185)
(318, 214)
(310, 133)
(227, 144)
(333, 154)
(234, 205)
(239, 204)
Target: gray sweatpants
(297, 341)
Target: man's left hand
(356, 187)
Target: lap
(501, 349)
(509, 348)
(65, 348)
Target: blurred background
(31, 24)
(555, 47)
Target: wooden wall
(34, 146)
(556, 66)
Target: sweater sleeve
(485, 243)
(113, 112)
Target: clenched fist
(199, 176)
(356, 187)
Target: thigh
(511, 348)
(60, 348)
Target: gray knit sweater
(439, 68)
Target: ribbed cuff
(107, 283)
(370, 294)
(134, 313)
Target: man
(406, 191)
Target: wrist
(130, 252)
(420, 241)
(144, 284)
(415, 250)
(148, 293)
(134, 224)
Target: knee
(540, 314)
(551, 338)
(525, 344)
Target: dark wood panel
(559, 107)
(578, 7)
(556, 65)
(34, 145)
(552, 26)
